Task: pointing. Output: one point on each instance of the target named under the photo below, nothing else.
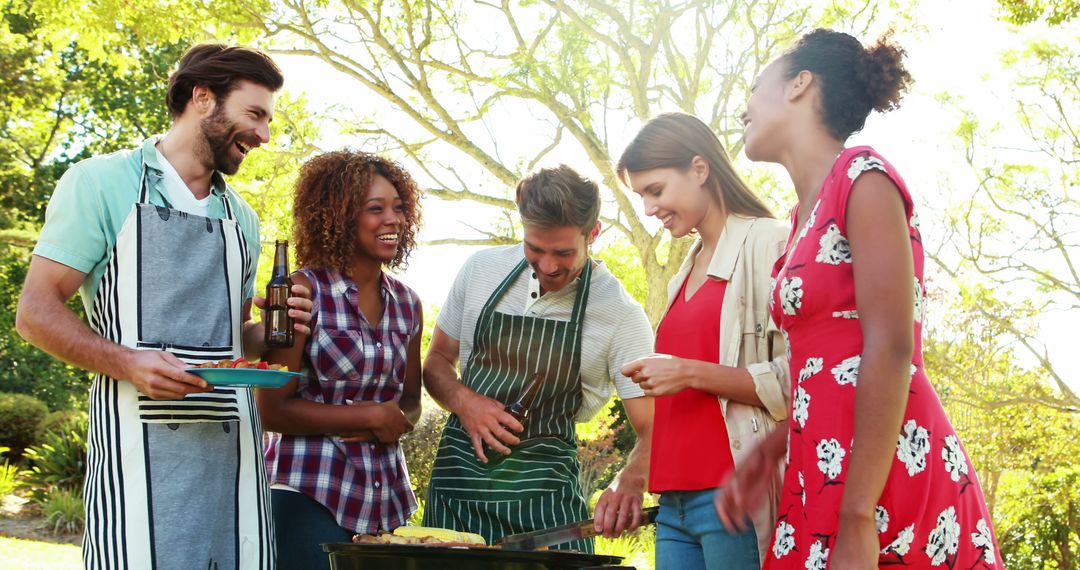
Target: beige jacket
(744, 258)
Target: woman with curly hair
(332, 453)
(876, 474)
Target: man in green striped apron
(541, 306)
(164, 254)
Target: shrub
(59, 462)
(8, 474)
(637, 549)
(421, 444)
(59, 420)
(64, 511)
(25, 368)
(20, 415)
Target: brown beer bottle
(277, 322)
(520, 410)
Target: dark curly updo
(853, 80)
(327, 202)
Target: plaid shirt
(365, 485)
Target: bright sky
(957, 52)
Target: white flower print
(834, 247)
(772, 298)
(791, 295)
(846, 314)
(912, 447)
(847, 372)
(955, 462)
(812, 366)
(800, 407)
(983, 541)
(944, 540)
(818, 558)
(861, 164)
(830, 455)
(787, 344)
(915, 220)
(920, 302)
(914, 369)
(802, 488)
(784, 541)
(881, 519)
(903, 541)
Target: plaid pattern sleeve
(365, 485)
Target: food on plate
(423, 535)
(241, 363)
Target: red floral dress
(932, 512)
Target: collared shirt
(615, 329)
(95, 196)
(365, 485)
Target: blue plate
(244, 377)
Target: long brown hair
(672, 140)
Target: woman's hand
(393, 424)
(659, 374)
(857, 545)
(747, 488)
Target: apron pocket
(221, 405)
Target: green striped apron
(536, 486)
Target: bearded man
(163, 253)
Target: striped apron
(536, 486)
(175, 484)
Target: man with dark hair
(542, 306)
(163, 253)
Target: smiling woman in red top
(719, 375)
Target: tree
(1053, 12)
(572, 77)
(63, 98)
(1015, 233)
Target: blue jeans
(302, 525)
(689, 536)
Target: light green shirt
(94, 197)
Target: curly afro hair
(329, 198)
(854, 80)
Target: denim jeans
(689, 536)
(302, 525)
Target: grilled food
(423, 535)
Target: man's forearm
(51, 326)
(637, 464)
(441, 381)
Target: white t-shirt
(615, 329)
(177, 192)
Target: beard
(218, 142)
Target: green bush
(61, 420)
(25, 369)
(8, 475)
(421, 444)
(20, 415)
(64, 511)
(59, 462)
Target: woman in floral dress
(876, 474)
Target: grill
(354, 556)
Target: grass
(20, 554)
